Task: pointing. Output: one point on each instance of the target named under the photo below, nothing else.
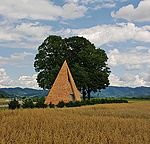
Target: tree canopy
(87, 63)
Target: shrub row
(13, 104)
(90, 102)
(28, 103)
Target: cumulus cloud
(3, 76)
(95, 4)
(28, 81)
(129, 80)
(115, 80)
(5, 80)
(28, 35)
(133, 64)
(71, 10)
(22, 81)
(146, 77)
(24, 35)
(40, 9)
(85, 2)
(131, 13)
(103, 34)
(34, 30)
(132, 59)
(107, 5)
(7, 33)
(132, 67)
(17, 59)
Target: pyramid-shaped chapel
(64, 87)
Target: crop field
(4, 101)
(99, 124)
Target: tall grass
(99, 124)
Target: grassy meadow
(127, 123)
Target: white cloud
(129, 80)
(5, 80)
(22, 81)
(133, 65)
(32, 29)
(85, 2)
(108, 5)
(31, 35)
(39, 9)
(146, 77)
(7, 33)
(131, 13)
(94, 4)
(115, 80)
(28, 81)
(71, 10)
(103, 34)
(17, 59)
(134, 80)
(3, 75)
(132, 59)
(25, 35)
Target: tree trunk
(84, 93)
(89, 94)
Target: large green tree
(87, 63)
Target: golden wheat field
(100, 124)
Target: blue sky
(120, 27)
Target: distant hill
(3, 94)
(111, 91)
(24, 92)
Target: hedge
(28, 103)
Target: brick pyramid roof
(64, 87)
